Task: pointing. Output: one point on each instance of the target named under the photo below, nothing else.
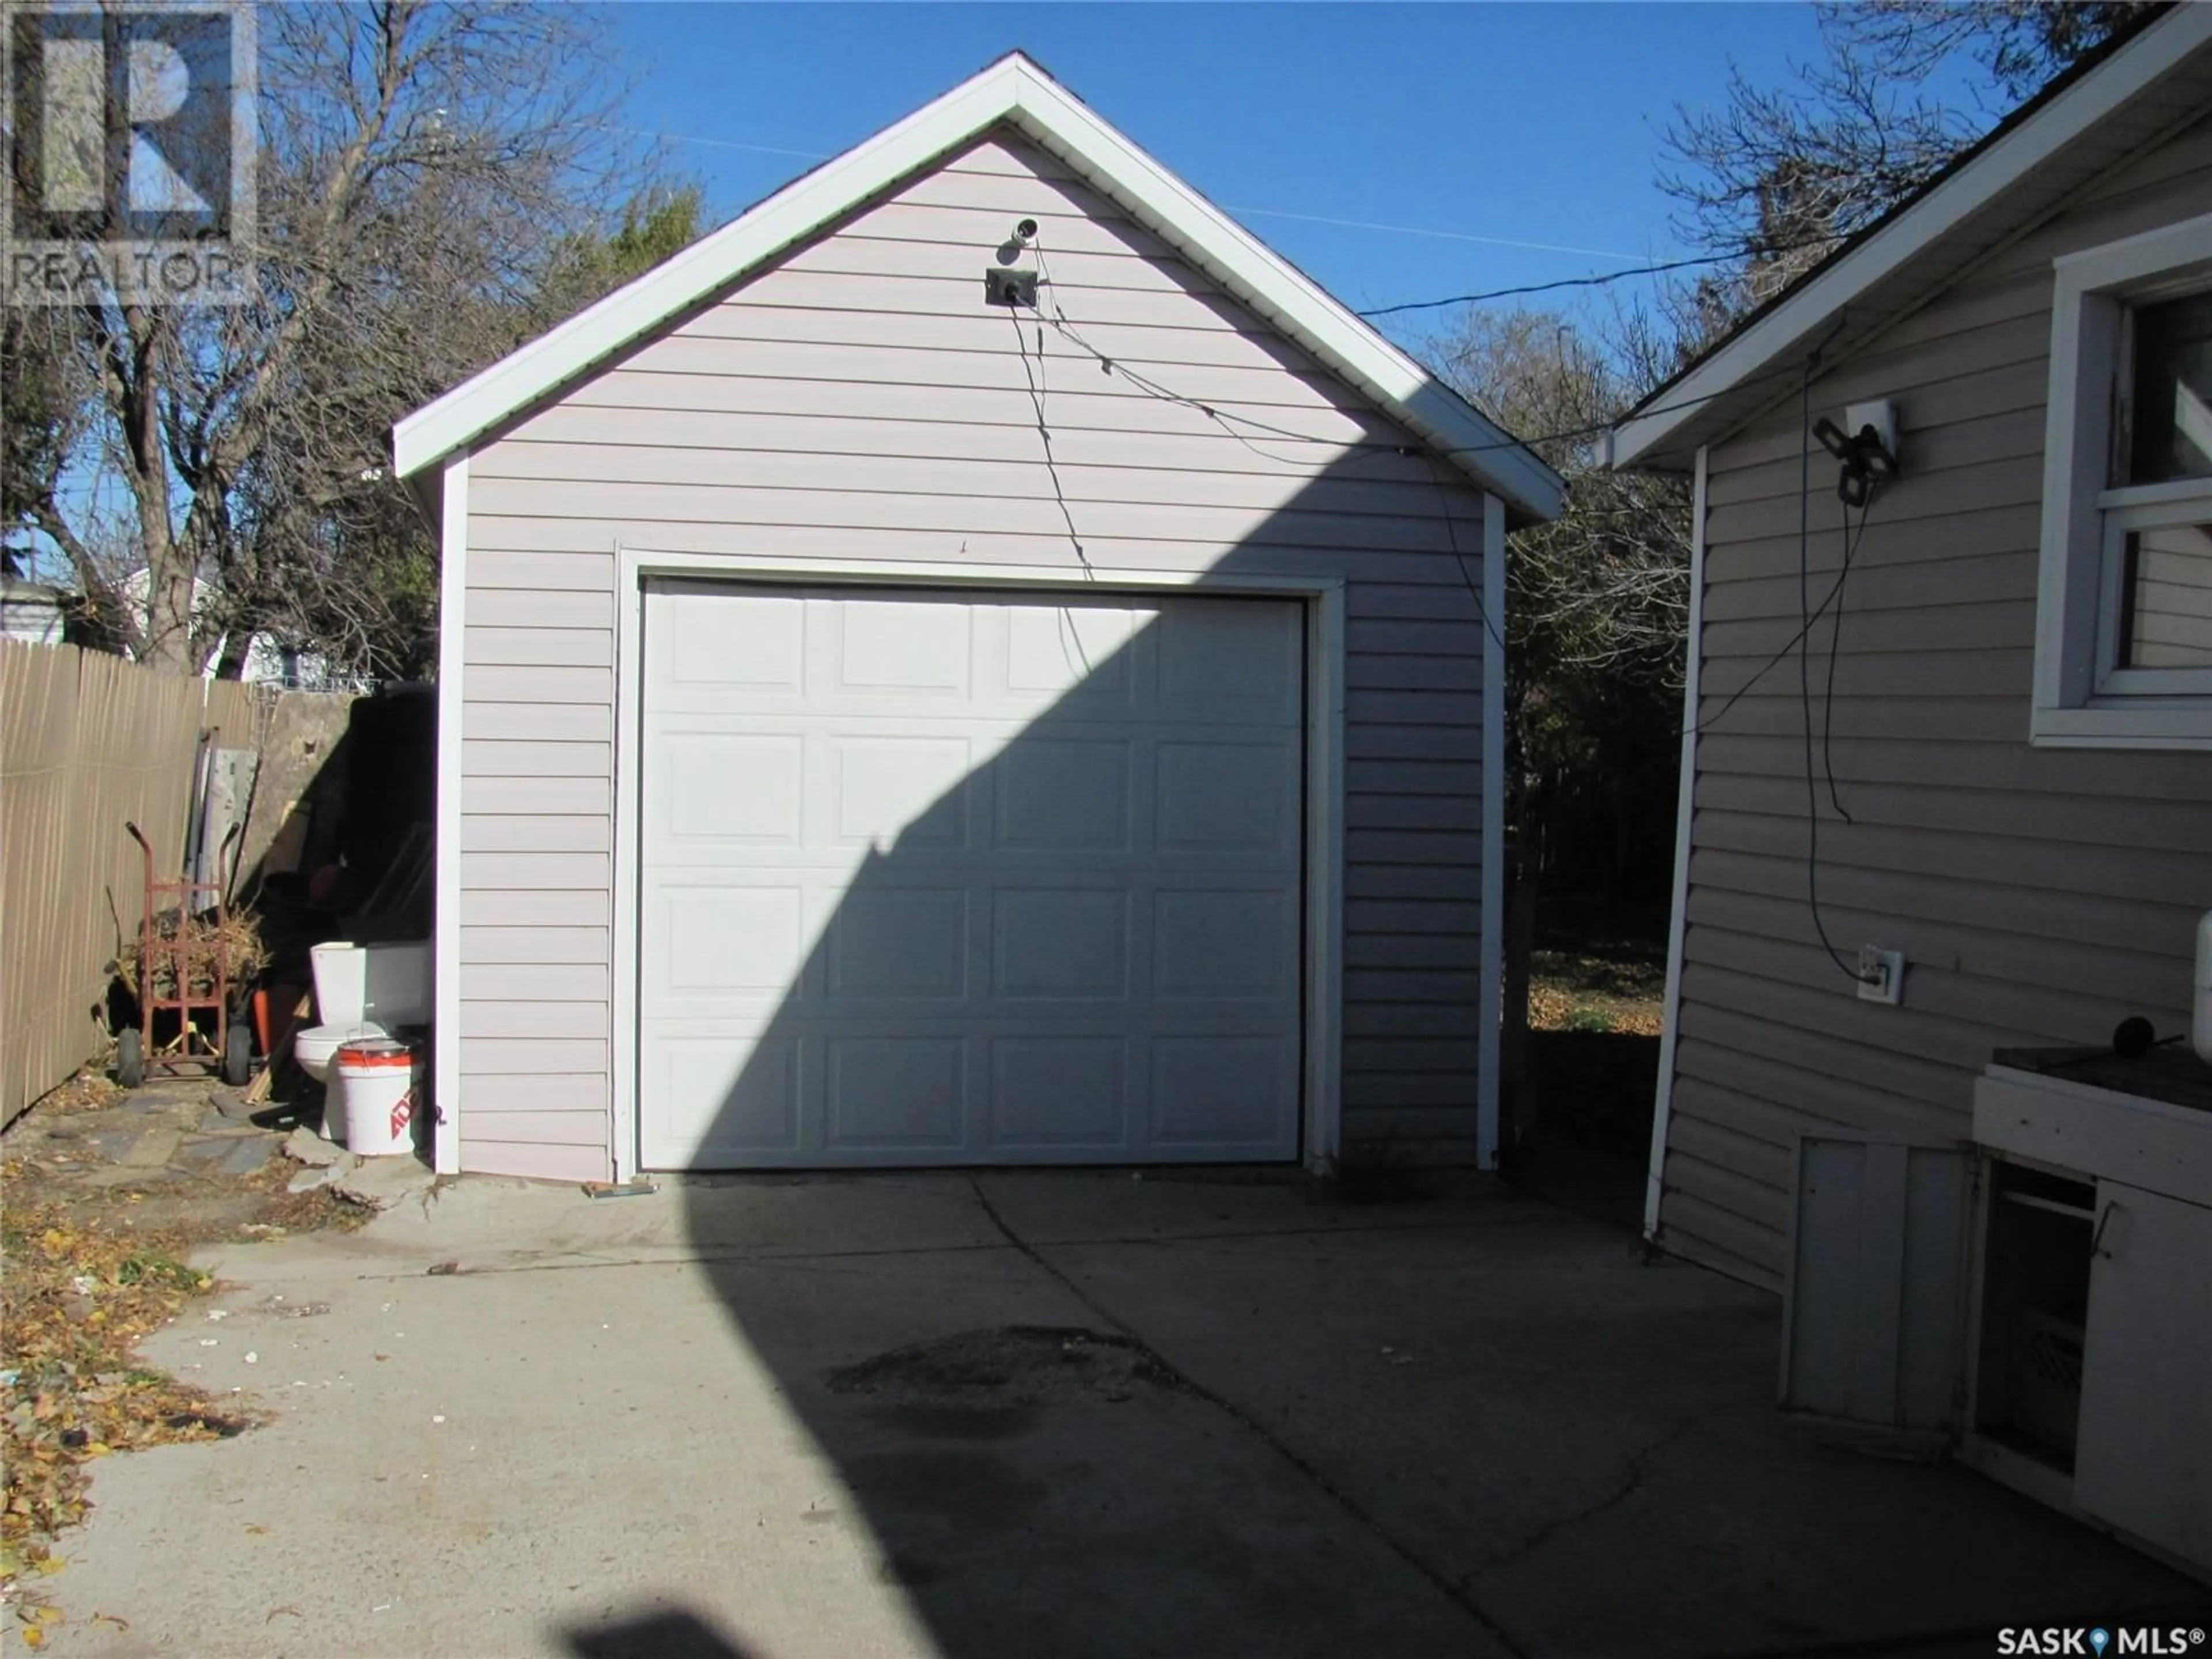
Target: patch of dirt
(1011, 1366)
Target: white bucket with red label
(376, 1087)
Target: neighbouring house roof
(2127, 100)
(30, 610)
(1014, 92)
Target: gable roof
(2142, 90)
(1014, 92)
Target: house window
(2123, 642)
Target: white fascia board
(1011, 90)
(2130, 69)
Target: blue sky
(1525, 123)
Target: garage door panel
(1209, 945)
(1235, 657)
(896, 1094)
(723, 787)
(898, 944)
(1055, 943)
(1060, 1094)
(749, 1104)
(967, 879)
(1063, 795)
(1219, 1093)
(918, 784)
(716, 940)
(1234, 798)
(917, 649)
(745, 642)
(1081, 658)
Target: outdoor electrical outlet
(1882, 976)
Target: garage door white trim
(1322, 1036)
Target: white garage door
(948, 879)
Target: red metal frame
(192, 1047)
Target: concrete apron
(1046, 1414)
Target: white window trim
(2080, 699)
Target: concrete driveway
(1052, 1415)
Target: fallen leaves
(1554, 1008)
(1616, 989)
(86, 1271)
(76, 1296)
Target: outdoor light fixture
(1866, 444)
(1003, 286)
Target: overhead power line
(1225, 417)
(1253, 212)
(1445, 235)
(1597, 281)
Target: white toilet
(317, 1045)
(362, 992)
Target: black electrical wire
(1228, 422)
(1835, 649)
(1044, 432)
(1114, 365)
(1059, 323)
(1851, 551)
(1224, 419)
(1598, 280)
(1495, 634)
(1805, 666)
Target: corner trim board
(1662, 1105)
(1493, 984)
(445, 953)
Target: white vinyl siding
(856, 400)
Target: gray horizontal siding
(857, 401)
(2039, 895)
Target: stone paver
(304, 1146)
(122, 1175)
(245, 1157)
(152, 1149)
(167, 1132)
(113, 1144)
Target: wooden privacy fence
(87, 742)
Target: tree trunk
(135, 376)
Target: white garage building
(917, 690)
